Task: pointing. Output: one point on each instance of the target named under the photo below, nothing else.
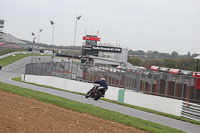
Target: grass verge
(6, 51)
(11, 59)
(86, 108)
(127, 105)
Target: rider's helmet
(102, 79)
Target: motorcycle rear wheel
(100, 93)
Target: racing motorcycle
(96, 92)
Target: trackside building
(94, 53)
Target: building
(1, 28)
(95, 53)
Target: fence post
(120, 76)
(152, 81)
(70, 68)
(31, 68)
(41, 64)
(94, 74)
(139, 79)
(183, 86)
(65, 71)
(125, 78)
(175, 86)
(76, 71)
(129, 80)
(134, 80)
(159, 84)
(111, 77)
(167, 84)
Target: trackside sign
(91, 38)
(107, 49)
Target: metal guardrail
(154, 83)
(191, 111)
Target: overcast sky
(156, 25)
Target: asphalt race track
(18, 68)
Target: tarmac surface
(18, 68)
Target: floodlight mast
(77, 18)
(33, 34)
(52, 23)
(40, 30)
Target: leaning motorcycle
(96, 92)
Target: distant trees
(135, 61)
(153, 62)
(151, 54)
(157, 55)
(184, 64)
(171, 63)
(195, 54)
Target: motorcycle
(96, 92)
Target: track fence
(149, 82)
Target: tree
(154, 62)
(188, 54)
(170, 63)
(195, 54)
(135, 61)
(174, 54)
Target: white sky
(156, 25)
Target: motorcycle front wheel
(88, 94)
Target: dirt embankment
(21, 114)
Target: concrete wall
(67, 84)
(162, 104)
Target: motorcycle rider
(102, 83)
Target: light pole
(77, 18)
(32, 45)
(40, 30)
(52, 23)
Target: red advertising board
(174, 71)
(154, 68)
(197, 80)
(91, 38)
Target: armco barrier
(162, 104)
(191, 111)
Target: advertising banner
(107, 49)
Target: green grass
(127, 105)
(77, 62)
(90, 109)
(11, 59)
(156, 112)
(6, 51)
